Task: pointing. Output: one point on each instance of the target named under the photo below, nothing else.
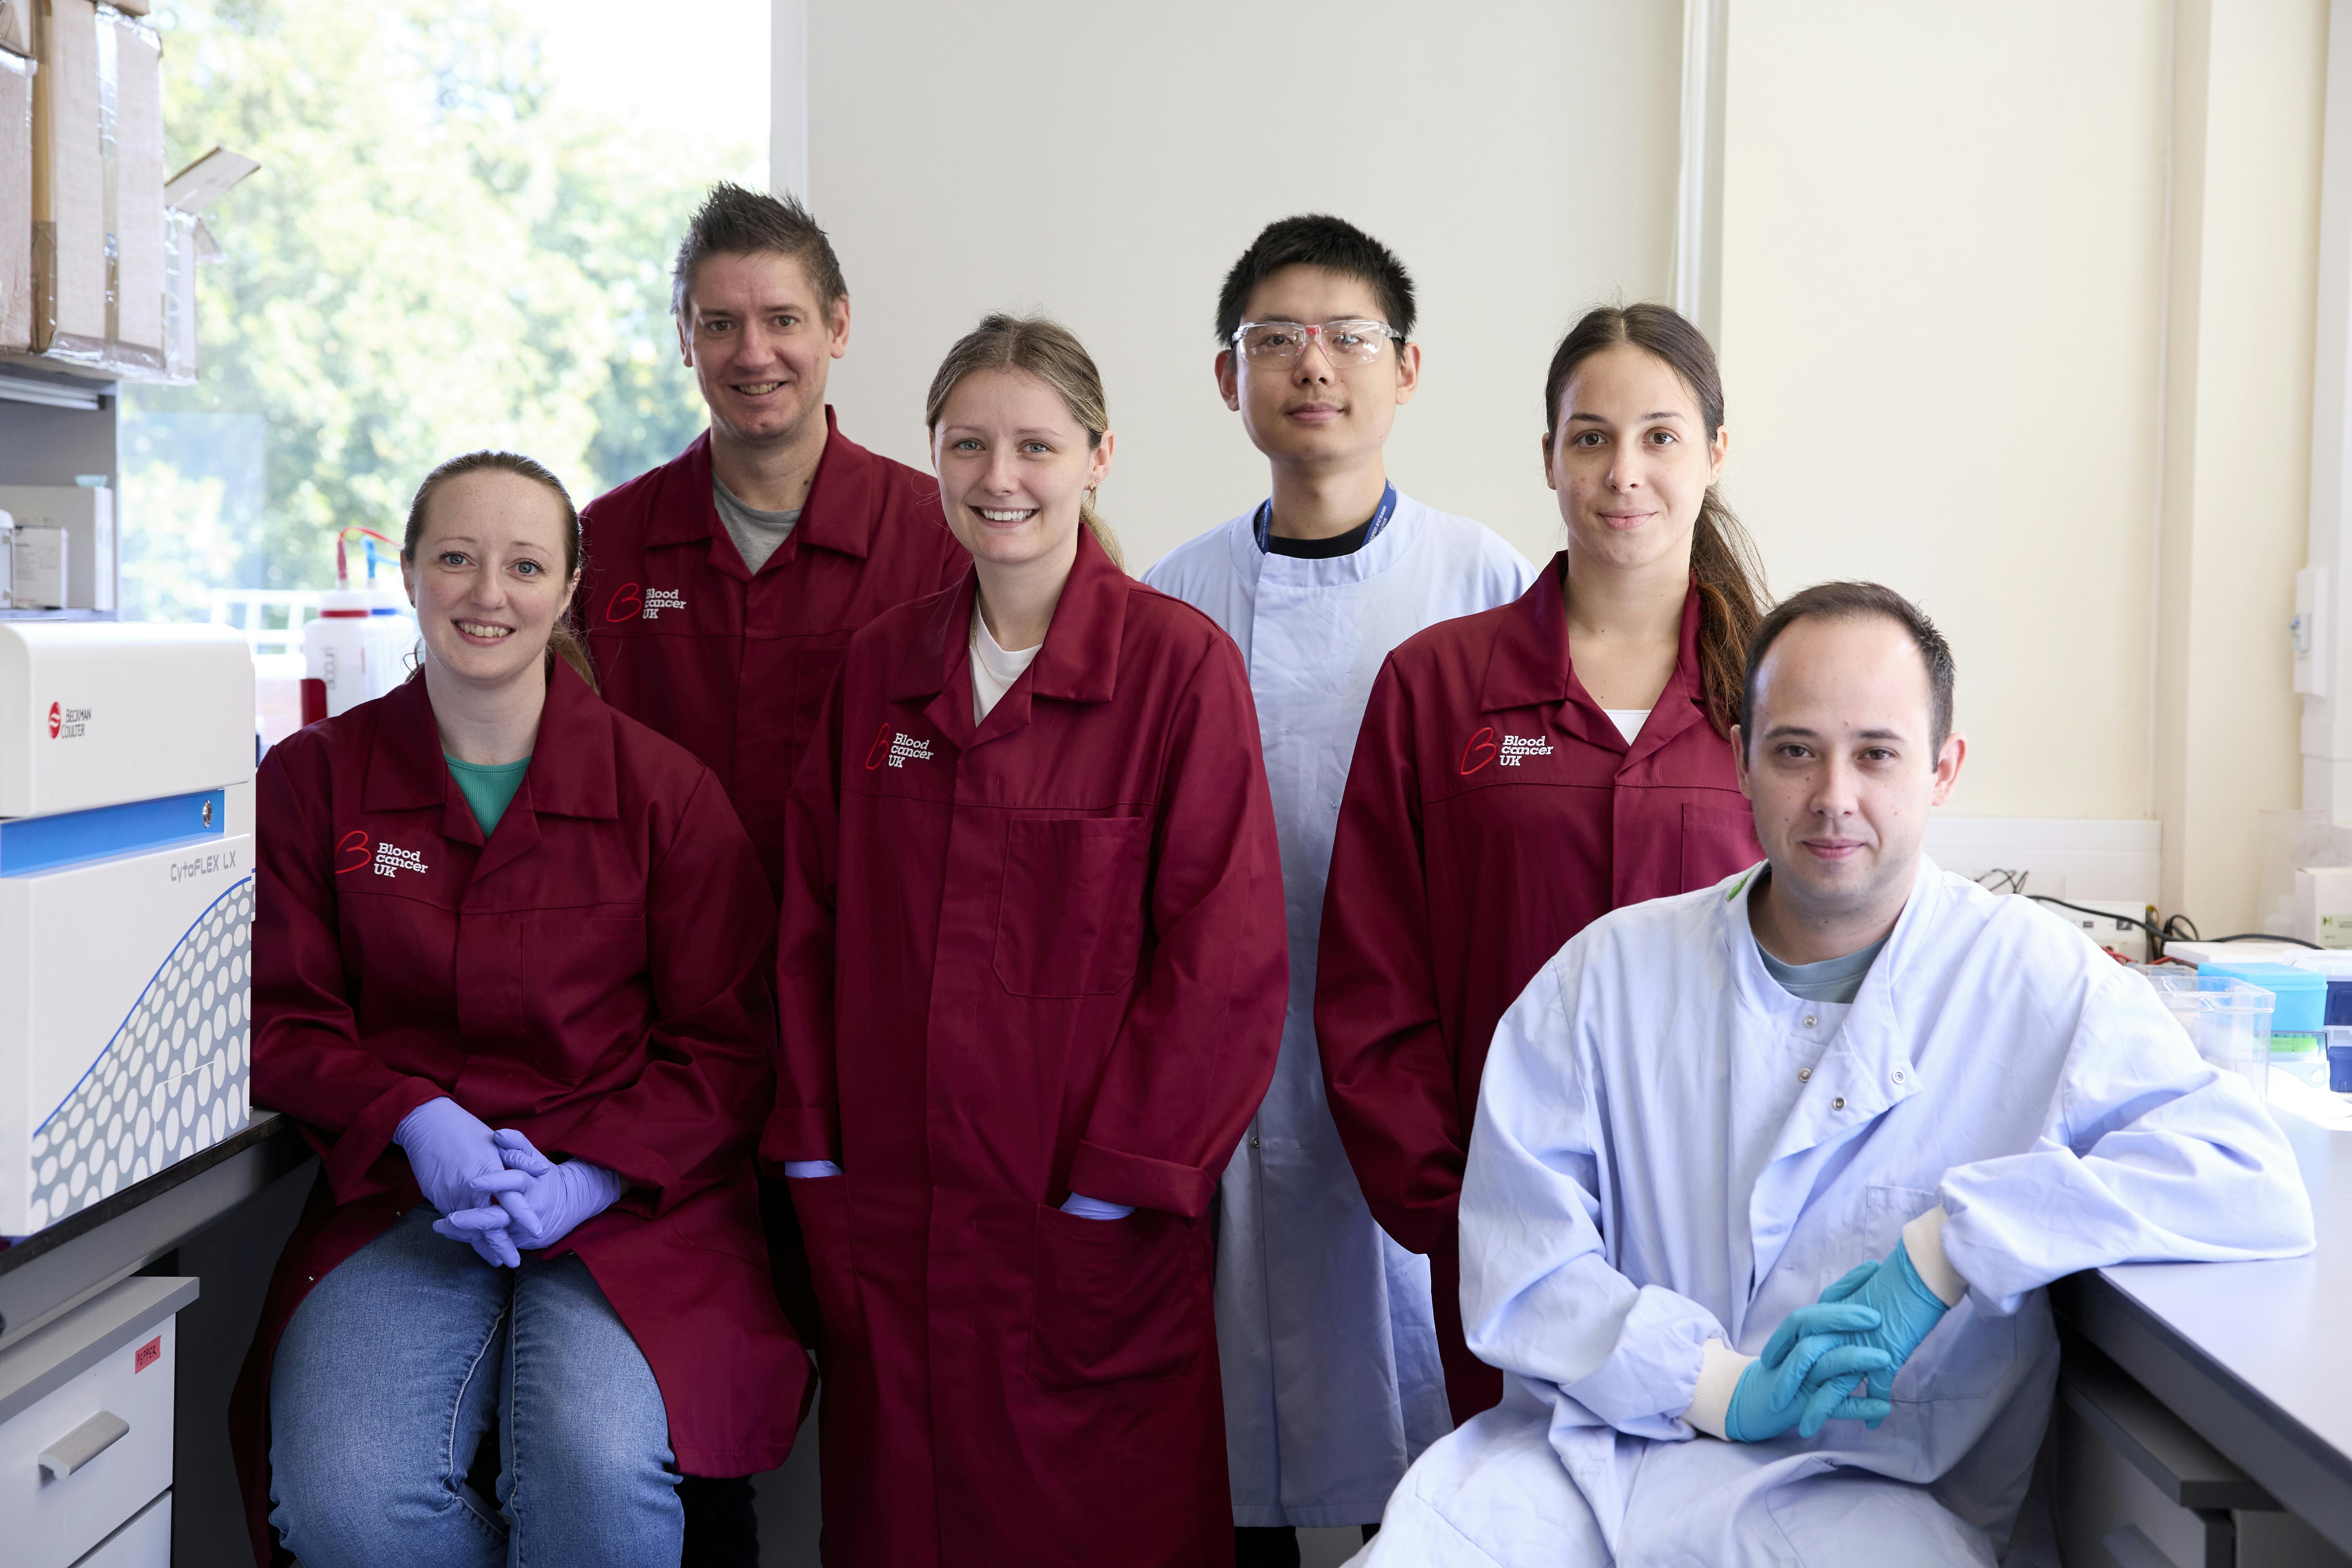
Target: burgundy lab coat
(596, 975)
(1492, 812)
(734, 666)
(1038, 954)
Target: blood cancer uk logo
(1504, 751)
(355, 852)
(896, 748)
(634, 601)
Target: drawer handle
(83, 1444)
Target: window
(460, 237)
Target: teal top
(488, 790)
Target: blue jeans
(388, 1378)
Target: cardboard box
(131, 59)
(16, 25)
(16, 201)
(87, 516)
(69, 184)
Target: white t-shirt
(1629, 722)
(994, 670)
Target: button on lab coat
(1649, 1172)
(1035, 954)
(1492, 810)
(733, 666)
(593, 975)
(1324, 1329)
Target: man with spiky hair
(719, 590)
(721, 587)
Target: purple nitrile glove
(485, 1230)
(447, 1146)
(1086, 1207)
(810, 1170)
(544, 1202)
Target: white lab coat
(1649, 1172)
(1331, 1378)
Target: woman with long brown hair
(1031, 980)
(1523, 770)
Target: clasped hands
(1824, 1360)
(496, 1192)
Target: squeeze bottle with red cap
(335, 649)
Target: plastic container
(2301, 1015)
(335, 655)
(391, 628)
(2233, 1030)
(2339, 1058)
(392, 640)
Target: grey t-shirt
(1831, 980)
(757, 534)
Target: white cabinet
(86, 1406)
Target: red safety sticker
(149, 1354)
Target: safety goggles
(1344, 343)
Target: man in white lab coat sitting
(1768, 1180)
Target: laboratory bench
(2204, 1411)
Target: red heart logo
(1482, 746)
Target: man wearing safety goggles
(1316, 583)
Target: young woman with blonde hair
(1031, 983)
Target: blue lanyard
(1261, 524)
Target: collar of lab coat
(1405, 527)
(571, 771)
(1079, 663)
(1530, 667)
(1856, 1079)
(838, 514)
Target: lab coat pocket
(577, 969)
(1071, 920)
(822, 1206)
(1115, 1300)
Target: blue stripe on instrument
(33, 844)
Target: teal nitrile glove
(1907, 1310)
(1824, 1333)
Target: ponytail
(1725, 566)
(1101, 530)
(564, 643)
(1731, 602)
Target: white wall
(1107, 164)
(1943, 280)
(2016, 303)
(2018, 318)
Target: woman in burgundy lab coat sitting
(1527, 769)
(511, 978)
(1031, 978)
